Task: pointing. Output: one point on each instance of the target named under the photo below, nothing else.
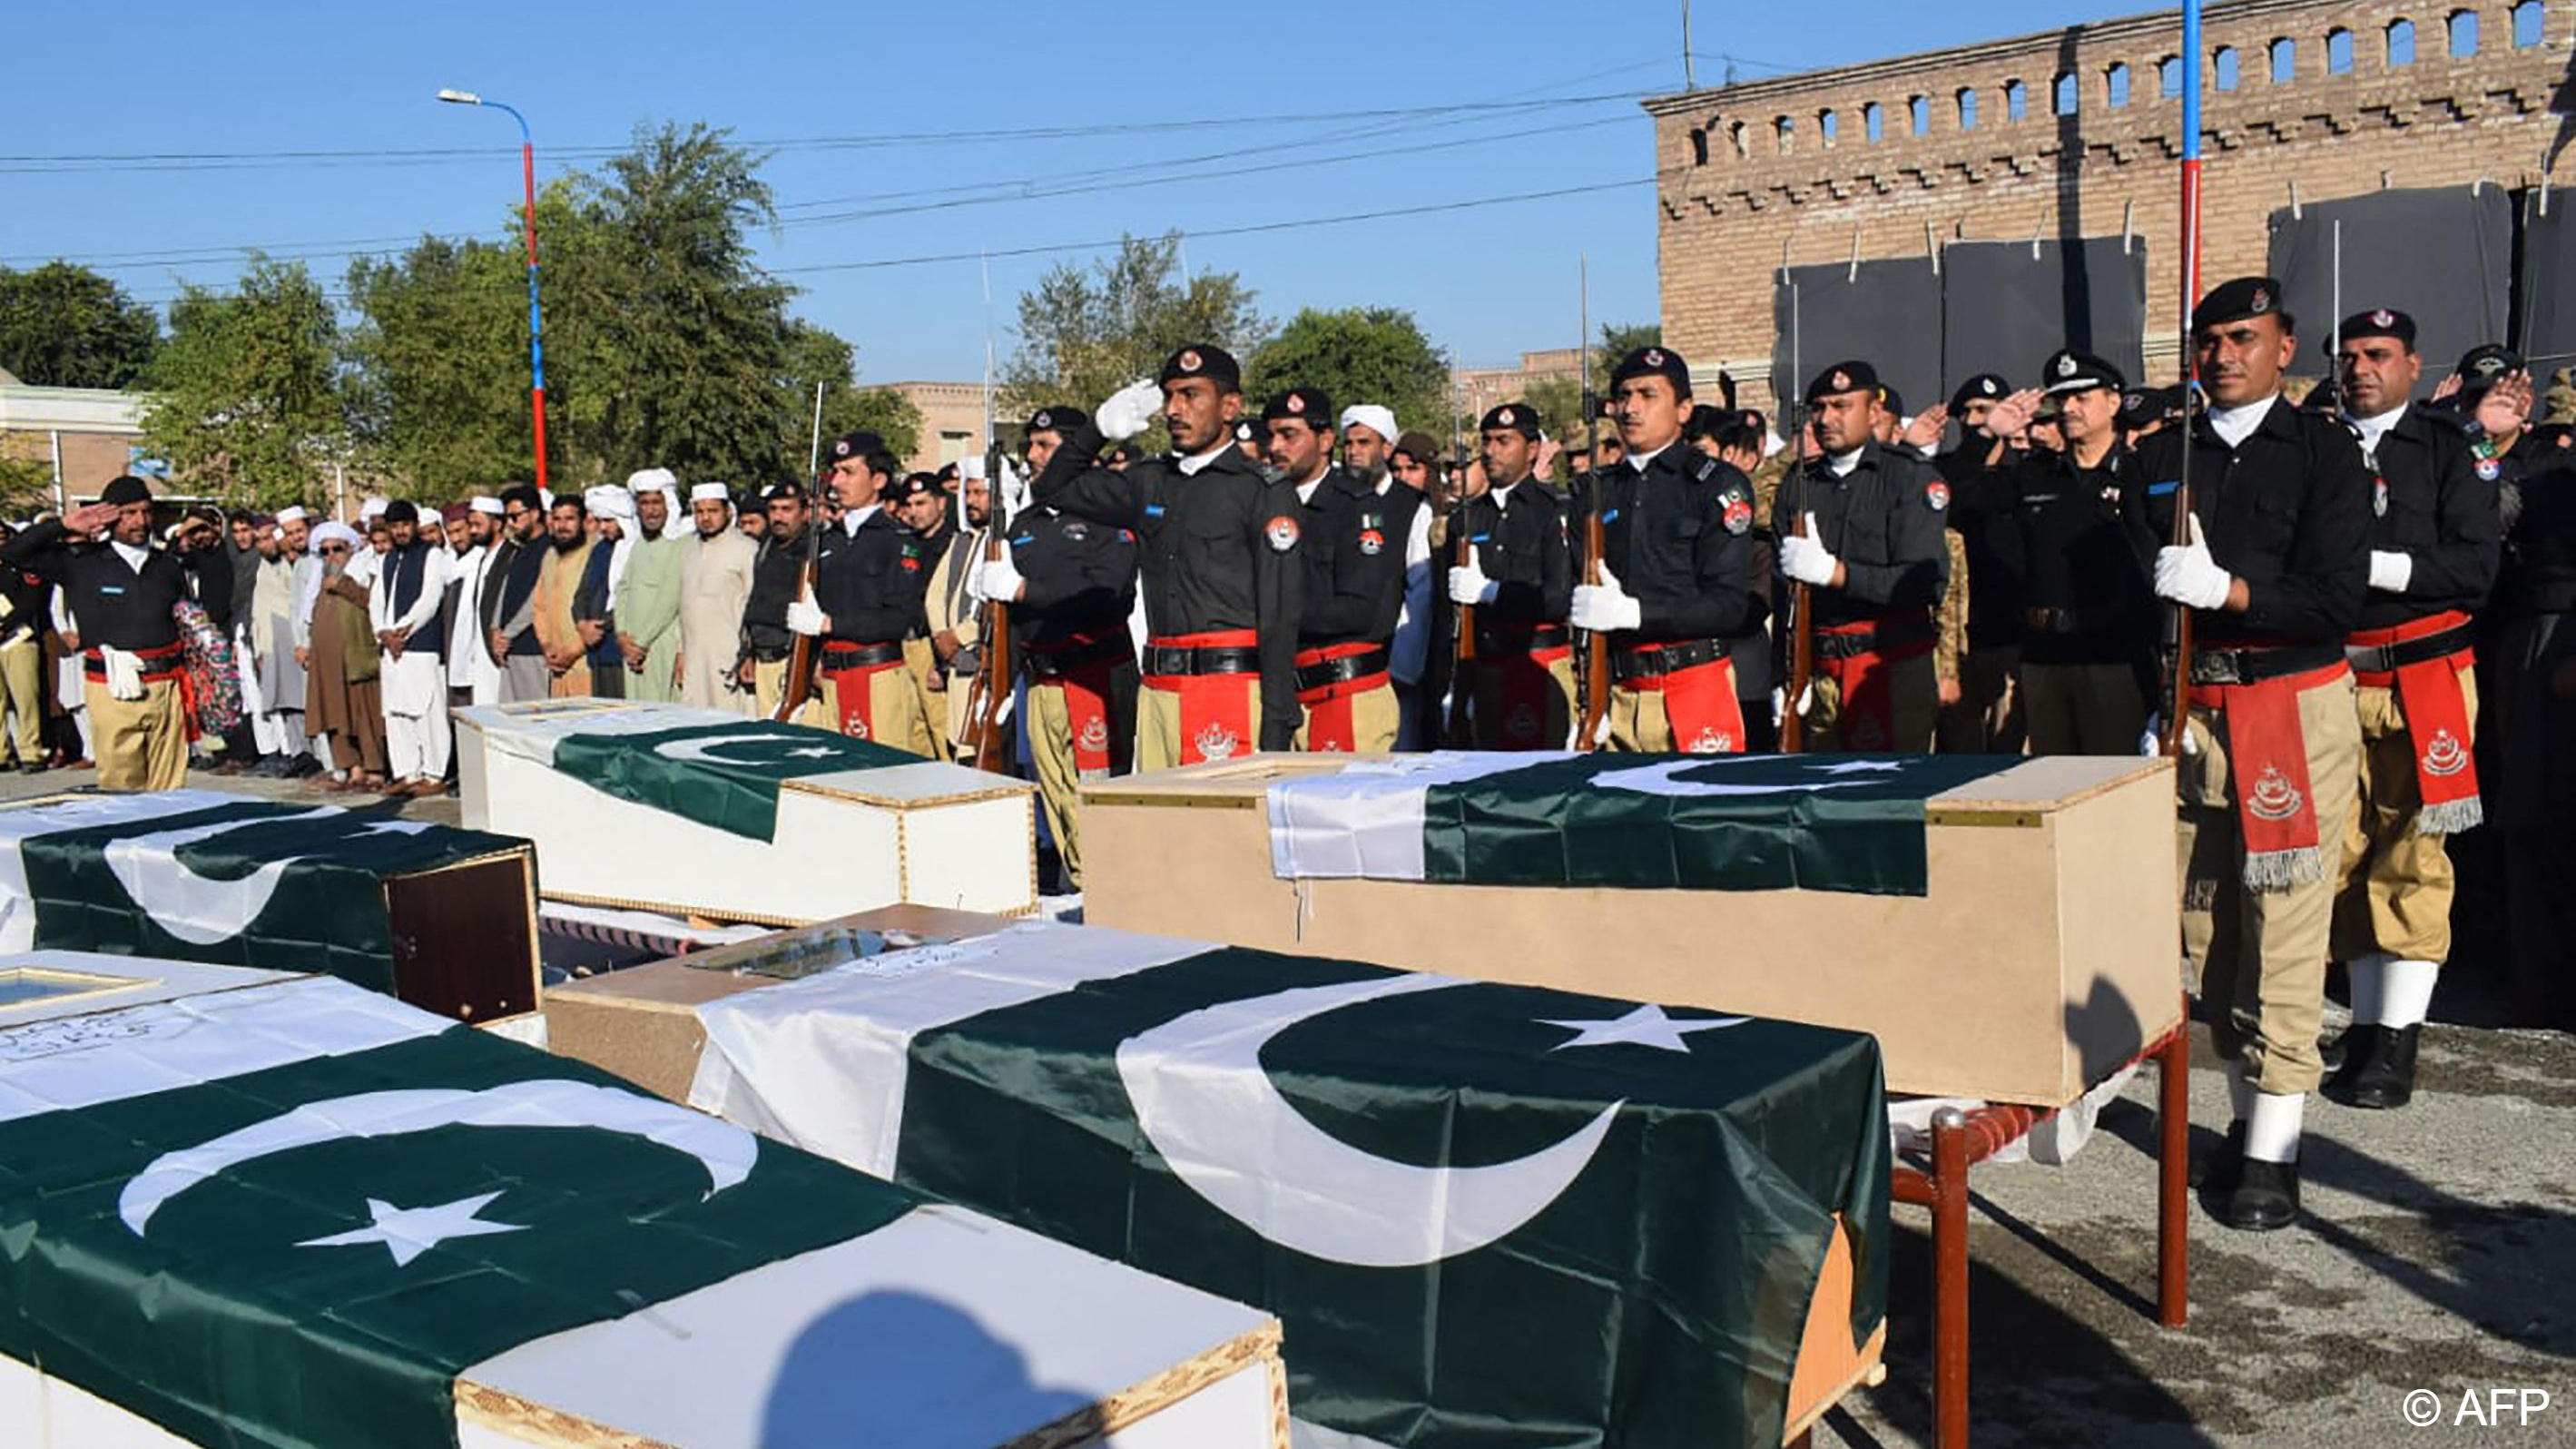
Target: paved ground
(2439, 1256)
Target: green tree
(1358, 354)
(63, 325)
(438, 384)
(26, 484)
(1085, 333)
(245, 396)
(817, 355)
(1617, 341)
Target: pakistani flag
(1488, 1216)
(196, 875)
(292, 1215)
(1698, 822)
(713, 768)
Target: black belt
(1514, 641)
(1168, 659)
(2253, 666)
(860, 656)
(1055, 664)
(1871, 641)
(2389, 658)
(2069, 621)
(1650, 661)
(1342, 670)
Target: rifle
(2177, 715)
(2178, 695)
(1463, 656)
(1802, 643)
(1592, 662)
(796, 689)
(983, 741)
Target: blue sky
(1463, 83)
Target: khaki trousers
(22, 682)
(2262, 954)
(141, 744)
(1375, 716)
(1050, 727)
(2083, 709)
(2397, 885)
(893, 710)
(768, 682)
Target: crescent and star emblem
(724, 1151)
(705, 751)
(1666, 779)
(197, 909)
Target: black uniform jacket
(111, 600)
(2428, 502)
(1884, 521)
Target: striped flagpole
(2175, 708)
(2190, 175)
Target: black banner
(2441, 255)
(2005, 306)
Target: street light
(536, 319)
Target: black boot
(2333, 1050)
(2216, 1171)
(2381, 1075)
(2265, 1197)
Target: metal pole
(2334, 328)
(528, 227)
(1689, 81)
(814, 443)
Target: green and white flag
(292, 1215)
(716, 769)
(1486, 1215)
(1697, 822)
(197, 875)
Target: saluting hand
(1130, 410)
(2506, 407)
(1925, 430)
(2012, 416)
(90, 518)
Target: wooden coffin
(2045, 953)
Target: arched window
(2401, 42)
(2016, 100)
(2115, 85)
(1786, 129)
(2067, 97)
(1699, 146)
(2285, 61)
(1735, 133)
(2222, 68)
(2528, 19)
(2464, 34)
(1919, 111)
(1873, 121)
(1829, 127)
(2169, 78)
(2338, 52)
(1968, 109)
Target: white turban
(371, 510)
(290, 514)
(486, 503)
(710, 492)
(337, 532)
(1378, 420)
(970, 469)
(648, 480)
(609, 501)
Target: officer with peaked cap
(1510, 562)
(2273, 564)
(122, 591)
(1861, 524)
(1222, 582)
(2087, 628)
(1673, 586)
(2436, 538)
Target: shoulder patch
(1281, 530)
(1737, 512)
(2490, 469)
(1936, 495)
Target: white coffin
(942, 1330)
(930, 834)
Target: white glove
(1130, 410)
(1468, 584)
(1605, 608)
(996, 578)
(2152, 743)
(2389, 572)
(124, 673)
(1803, 557)
(2188, 575)
(804, 617)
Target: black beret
(785, 492)
(1203, 360)
(2380, 323)
(913, 486)
(1518, 417)
(1891, 399)
(857, 445)
(2072, 371)
(1988, 385)
(125, 490)
(2237, 300)
(2480, 366)
(1841, 378)
(1308, 405)
(1057, 419)
(1660, 362)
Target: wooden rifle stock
(1802, 655)
(1596, 644)
(796, 689)
(1463, 646)
(993, 672)
(2177, 702)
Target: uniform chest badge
(2490, 469)
(1075, 530)
(1282, 533)
(2275, 798)
(2445, 755)
(1372, 542)
(1738, 513)
(1937, 494)
(2379, 498)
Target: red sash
(1216, 709)
(2437, 722)
(2267, 763)
(1525, 691)
(1086, 689)
(169, 661)
(1329, 730)
(857, 697)
(1700, 707)
(1868, 719)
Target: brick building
(952, 422)
(80, 436)
(1479, 389)
(2076, 133)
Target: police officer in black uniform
(1221, 576)
(1676, 569)
(122, 591)
(1990, 712)
(869, 575)
(777, 580)
(1510, 562)
(1353, 588)
(1861, 525)
(2087, 625)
